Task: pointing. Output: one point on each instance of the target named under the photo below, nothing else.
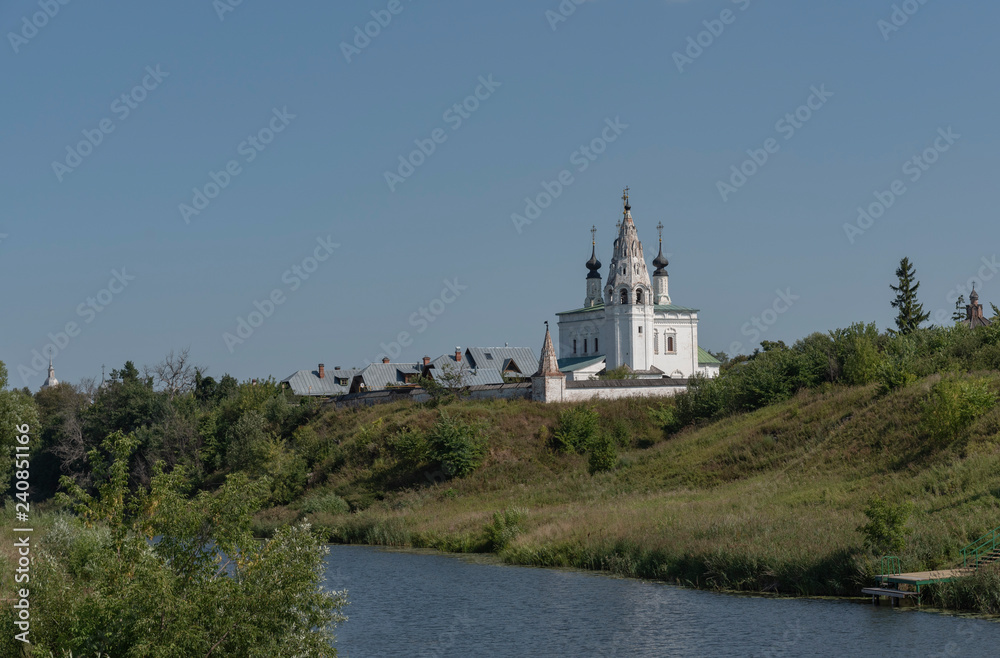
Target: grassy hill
(769, 500)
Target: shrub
(458, 446)
(886, 529)
(324, 502)
(504, 528)
(576, 430)
(953, 406)
(603, 456)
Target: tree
(911, 312)
(156, 573)
(16, 409)
(175, 374)
(959, 313)
(886, 529)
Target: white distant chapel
(631, 321)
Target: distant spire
(593, 264)
(51, 381)
(548, 364)
(626, 215)
(660, 262)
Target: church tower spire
(51, 381)
(594, 276)
(661, 293)
(628, 299)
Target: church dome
(660, 262)
(51, 381)
(974, 297)
(594, 265)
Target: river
(414, 604)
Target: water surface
(430, 604)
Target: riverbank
(768, 501)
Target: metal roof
(500, 358)
(307, 382)
(470, 376)
(706, 359)
(380, 375)
(579, 362)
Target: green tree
(959, 313)
(886, 529)
(17, 408)
(910, 312)
(158, 573)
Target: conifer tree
(911, 312)
(959, 313)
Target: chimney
(385, 359)
(458, 353)
(322, 371)
(427, 360)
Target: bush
(324, 502)
(576, 430)
(603, 456)
(953, 406)
(504, 528)
(458, 446)
(886, 529)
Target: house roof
(381, 375)
(706, 359)
(469, 376)
(525, 358)
(307, 382)
(579, 362)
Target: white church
(630, 320)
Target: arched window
(624, 296)
(638, 296)
(671, 348)
(574, 346)
(584, 345)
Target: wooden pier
(892, 584)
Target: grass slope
(764, 501)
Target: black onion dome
(594, 265)
(660, 262)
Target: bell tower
(628, 299)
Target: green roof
(667, 308)
(578, 362)
(706, 359)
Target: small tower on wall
(661, 291)
(548, 384)
(628, 300)
(594, 276)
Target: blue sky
(443, 238)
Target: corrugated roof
(706, 359)
(469, 376)
(307, 382)
(380, 375)
(501, 358)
